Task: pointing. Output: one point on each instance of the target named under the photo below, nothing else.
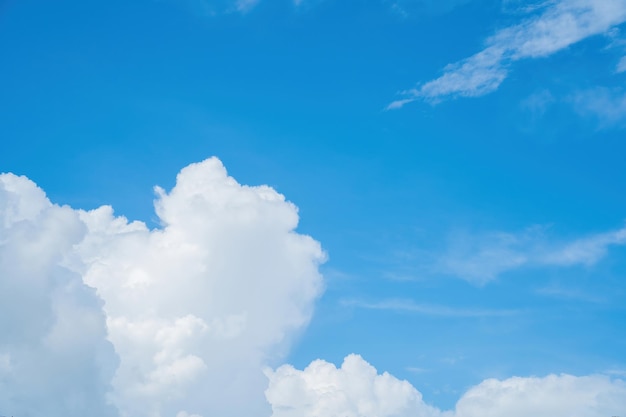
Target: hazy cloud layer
(357, 390)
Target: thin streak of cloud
(213, 8)
(570, 294)
(416, 370)
(561, 24)
(584, 251)
(409, 306)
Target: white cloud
(353, 390)
(357, 390)
(103, 317)
(54, 356)
(607, 106)
(585, 251)
(406, 8)
(621, 65)
(212, 8)
(244, 6)
(194, 309)
(556, 291)
(561, 24)
(409, 306)
(553, 395)
(199, 305)
(538, 102)
(482, 258)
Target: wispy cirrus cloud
(407, 8)
(573, 294)
(410, 306)
(606, 105)
(482, 258)
(219, 7)
(560, 24)
(246, 5)
(210, 8)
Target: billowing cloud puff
(353, 390)
(201, 304)
(193, 309)
(54, 356)
(553, 395)
(356, 390)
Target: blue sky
(460, 162)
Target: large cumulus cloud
(356, 390)
(193, 309)
(54, 356)
(199, 305)
(104, 317)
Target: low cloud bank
(355, 389)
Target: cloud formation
(353, 390)
(561, 24)
(357, 390)
(55, 359)
(194, 308)
(433, 310)
(480, 259)
(606, 105)
(220, 7)
(108, 318)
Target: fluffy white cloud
(357, 390)
(561, 24)
(54, 356)
(194, 309)
(353, 390)
(553, 395)
(201, 304)
(105, 317)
